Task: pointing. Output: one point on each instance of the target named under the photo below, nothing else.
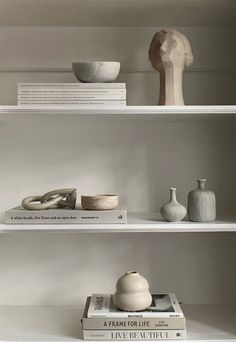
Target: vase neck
(173, 195)
(201, 183)
(133, 273)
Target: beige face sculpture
(169, 53)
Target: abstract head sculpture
(169, 53)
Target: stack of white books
(72, 94)
(163, 320)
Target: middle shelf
(137, 222)
(140, 113)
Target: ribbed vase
(173, 211)
(201, 203)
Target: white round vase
(132, 292)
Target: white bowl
(96, 71)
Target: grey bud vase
(201, 203)
(173, 211)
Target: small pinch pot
(99, 202)
(92, 72)
(132, 292)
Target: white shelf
(126, 113)
(62, 323)
(137, 223)
(132, 110)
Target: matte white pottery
(96, 71)
(132, 292)
(173, 211)
(201, 204)
(99, 202)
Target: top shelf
(117, 13)
(138, 112)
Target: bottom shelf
(62, 323)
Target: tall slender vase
(173, 211)
(201, 203)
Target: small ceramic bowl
(99, 202)
(96, 71)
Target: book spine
(144, 314)
(134, 335)
(133, 323)
(83, 97)
(90, 104)
(52, 92)
(71, 217)
(77, 85)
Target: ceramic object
(96, 71)
(201, 203)
(61, 198)
(132, 292)
(169, 53)
(173, 211)
(69, 197)
(35, 202)
(99, 202)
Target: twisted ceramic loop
(29, 202)
(60, 198)
(68, 200)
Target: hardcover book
(133, 335)
(163, 305)
(19, 215)
(80, 97)
(79, 91)
(76, 85)
(131, 323)
(84, 103)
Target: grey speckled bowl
(96, 71)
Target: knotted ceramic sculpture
(169, 53)
(61, 198)
(201, 203)
(173, 211)
(132, 292)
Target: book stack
(163, 320)
(19, 215)
(72, 94)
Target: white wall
(63, 269)
(140, 161)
